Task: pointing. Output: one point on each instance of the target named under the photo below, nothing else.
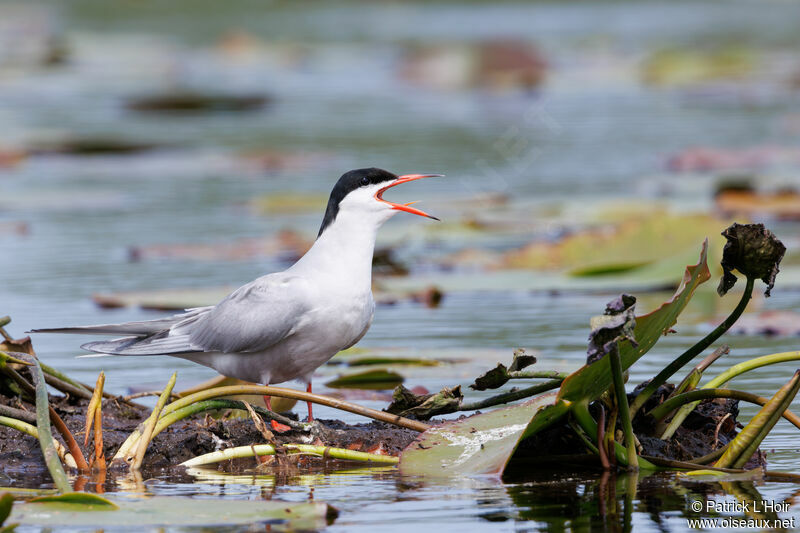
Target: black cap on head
(351, 181)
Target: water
(339, 100)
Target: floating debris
(187, 102)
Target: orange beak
(406, 207)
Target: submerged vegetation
(566, 418)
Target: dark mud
(23, 464)
(709, 427)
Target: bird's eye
(364, 181)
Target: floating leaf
(82, 501)
(192, 102)
(783, 205)
(370, 379)
(166, 511)
(685, 66)
(619, 248)
(754, 251)
(479, 444)
(377, 360)
(163, 300)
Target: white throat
(343, 252)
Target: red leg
(310, 416)
(268, 401)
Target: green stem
(622, 407)
(46, 440)
(541, 374)
(268, 449)
(752, 364)
(261, 390)
(210, 405)
(703, 394)
(746, 443)
(695, 350)
(150, 425)
(726, 376)
(709, 457)
(580, 410)
(511, 396)
(584, 437)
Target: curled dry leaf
(616, 324)
(754, 251)
(522, 359)
(424, 406)
(494, 378)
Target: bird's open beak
(406, 207)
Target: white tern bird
(282, 326)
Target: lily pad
(176, 512)
(622, 247)
(80, 501)
(163, 300)
(378, 379)
(193, 102)
(378, 360)
(479, 444)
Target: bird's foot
(278, 427)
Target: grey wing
(139, 328)
(254, 317)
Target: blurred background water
(148, 146)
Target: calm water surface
(338, 101)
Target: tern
(281, 326)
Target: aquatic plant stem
(511, 395)
(150, 425)
(62, 428)
(197, 407)
(268, 449)
(539, 374)
(694, 351)
(210, 405)
(752, 364)
(601, 440)
(726, 376)
(261, 390)
(746, 443)
(670, 405)
(622, 408)
(580, 410)
(46, 440)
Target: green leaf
(378, 379)
(83, 501)
(6, 502)
(479, 444)
(410, 361)
(160, 511)
(589, 382)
